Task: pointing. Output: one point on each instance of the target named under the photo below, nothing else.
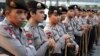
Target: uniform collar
(28, 26)
(6, 22)
(53, 27)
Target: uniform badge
(60, 9)
(10, 32)
(12, 4)
(75, 7)
(38, 5)
(29, 38)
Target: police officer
(61, 26)
(12, 40)
(91, 22)
(71, 24)
(35, 35)
(53, 28)
(80, 22)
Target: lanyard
(18, 35)
(71, 25)
(62, 26)
(37, 30)
(39, 33)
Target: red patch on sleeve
(29, 36)
(48, 33)
(9, 30)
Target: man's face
(77, 12)
(54, 18)
(84, 14)
(39, 15)
(63, 15)
(17, 16)
(90, 14)
(71, 13)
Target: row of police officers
(69, 31)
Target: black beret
(62, 9)
(72, 7)
(35, 5)
(16, 4)
(54, 9)
(94, 11)
(83, 10)
(89, 10)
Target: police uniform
(80, 22)
(35, 34)
(73, 27)
(91, 21)
(55, 32)
(12, 39)
(16, 38)
(62, 28)
(56, 36)
(72, 24)
(62, 31)
(38, 38)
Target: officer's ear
(7, 11)
(32, 14)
